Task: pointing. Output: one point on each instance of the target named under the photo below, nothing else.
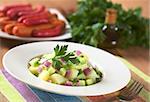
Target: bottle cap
(111, 16)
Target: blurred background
(70, 5)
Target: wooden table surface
(139, 57)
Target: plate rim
(31, 84)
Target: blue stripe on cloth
(51, 97)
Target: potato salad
(65, 68)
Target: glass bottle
(111, 30)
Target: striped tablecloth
(17, 91)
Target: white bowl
(116, 74)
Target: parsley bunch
(87, 21)
(61, 54)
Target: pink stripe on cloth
(22, 88)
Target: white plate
(116, 74)
(64, 36)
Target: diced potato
(73, 74)
(44, 75)
(58, 79)
(90, 81)
(81, 83)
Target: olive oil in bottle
(110, 29)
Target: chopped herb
(80, 71)
(56, 63)
(60, 50)
(75, 60)
(67, 56)
(60, 53)
(75, 80)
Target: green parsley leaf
(56, 63)
(89, 18)
(74, 60)
(60, 53)
(60, 50)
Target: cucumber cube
(34, 62)
(81, 83)
(90, 81)
(93, 75)
(44, 75)
(70, 65)
(63, 71)
(51, 70)
(58, 79)
(81, 76)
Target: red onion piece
(68, 73)
(78, 52)
(87, 71)
(40, 68)
(68, 83)
(47, 63)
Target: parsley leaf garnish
(60, 50)
(61, 53)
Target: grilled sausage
(38, 15)
(59, 27)
(3, 21)
(36, 21)
(51, 32)
(2, 14)
(38, 9)
(6, 8)
(26, 31)
(8, 28)
(13, 12)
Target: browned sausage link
(7, 22)
(58, 22)
(43, 14)
(7, 7)
(2, 14)
(8, 28)
(38, 9)
(13, 13)
(37, 21)
(3, 20)
(50, 32)
(26, 31)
